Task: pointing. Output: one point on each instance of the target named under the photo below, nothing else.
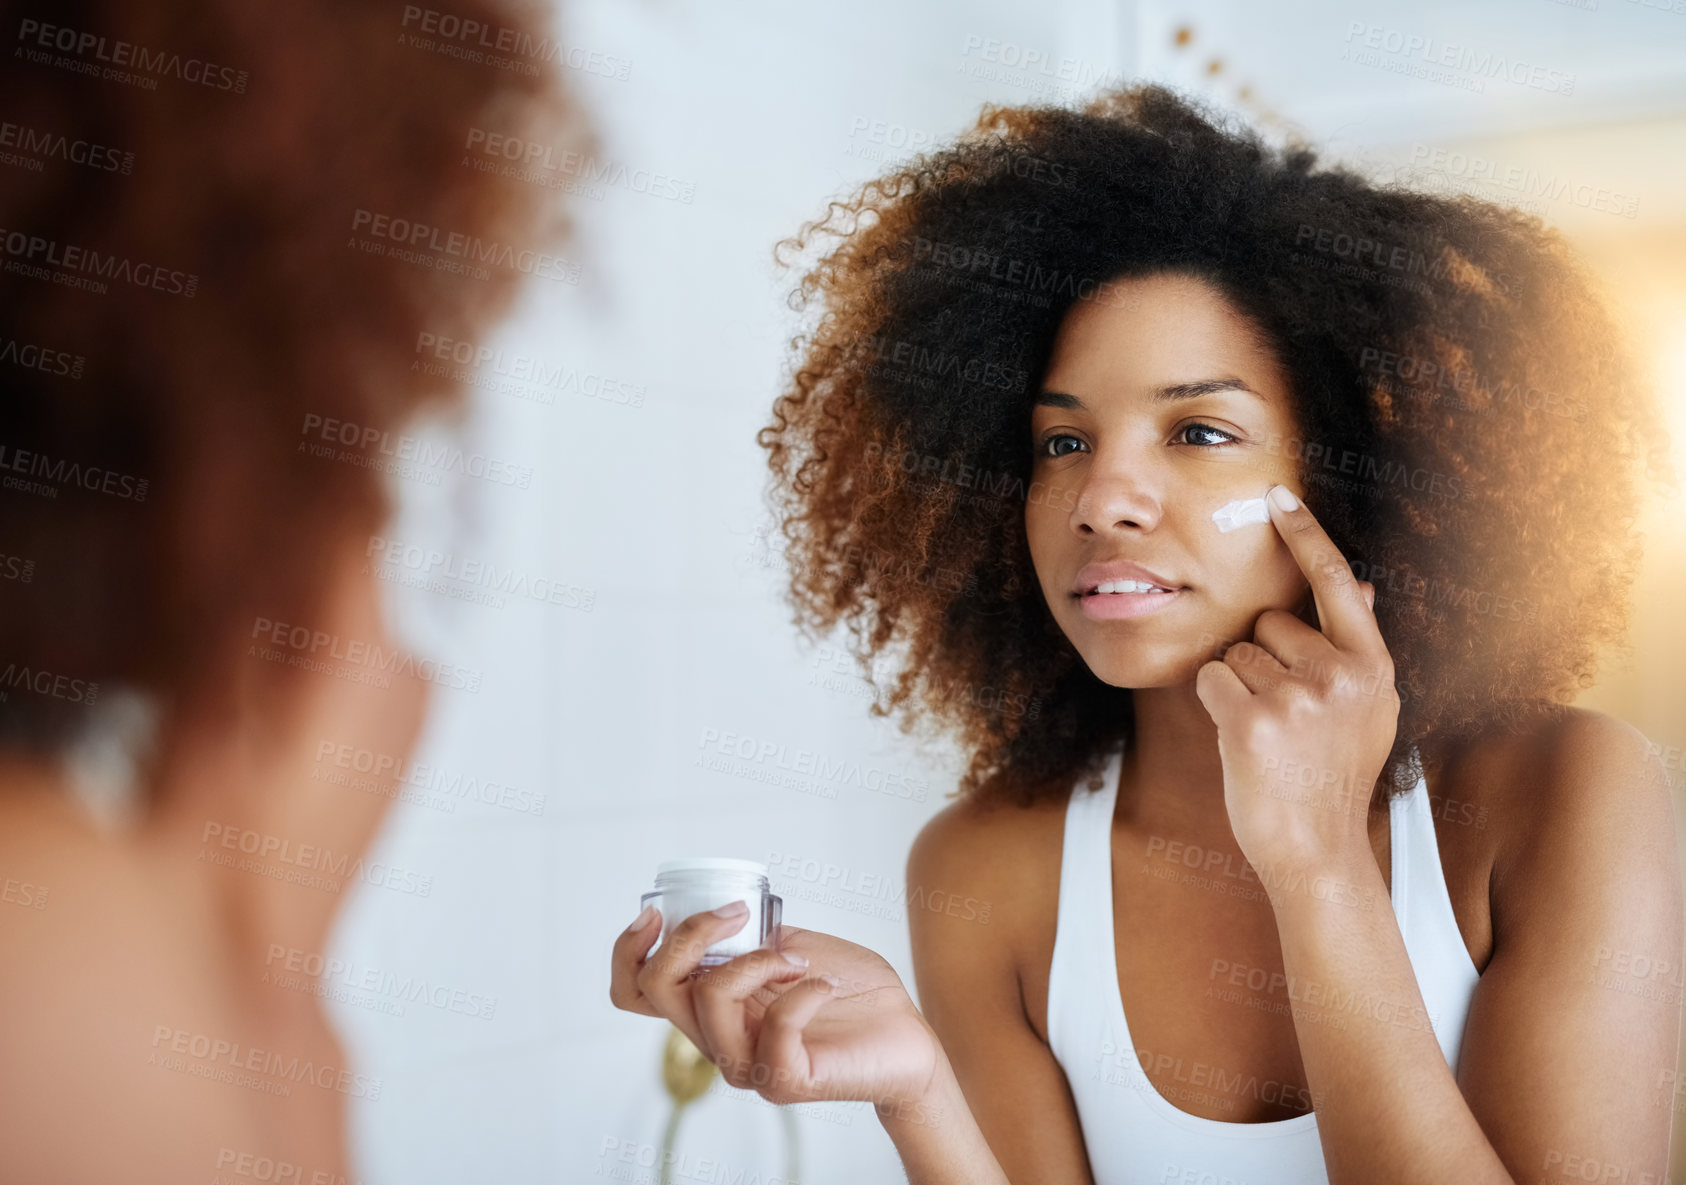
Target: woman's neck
(1171, 782)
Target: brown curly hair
(188, 279)
(1472, 420)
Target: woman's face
(1155, 411)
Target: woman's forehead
(1174, 337)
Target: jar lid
(712, 864)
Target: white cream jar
(701, 883)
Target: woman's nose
(1117, 497)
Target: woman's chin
(1140, 676)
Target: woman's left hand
(1305, 718)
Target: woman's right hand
(839, 1025)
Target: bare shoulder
(999, 854)
(982, 878)
(76, 970)
(1002, 862)
(1564, 767)
(987, 885)
(54, 867)
(103, 966)
(1577, 791)
(1587, 929)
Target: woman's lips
(1115, 606)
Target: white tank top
(1133, 1134)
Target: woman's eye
(1209, 438)
(1043, 449)
(1224, 437)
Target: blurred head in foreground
(224, 228)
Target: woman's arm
(1569, 1054)
(967, 871)
(939, 1140)
(1559, 1069)
(1566, 1066)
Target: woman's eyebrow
(1056, 399)
(1162, 395)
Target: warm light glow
(1672, 373)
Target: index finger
(1345, 617)
(665, 977)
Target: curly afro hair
(156, 495)
(1471, 420)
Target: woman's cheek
(1251, 569)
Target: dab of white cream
(1238, 514)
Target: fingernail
(642, 920)
(731, 909)
(1283, 497)
(794, 960)
(833, 980)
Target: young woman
(1298, 866)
